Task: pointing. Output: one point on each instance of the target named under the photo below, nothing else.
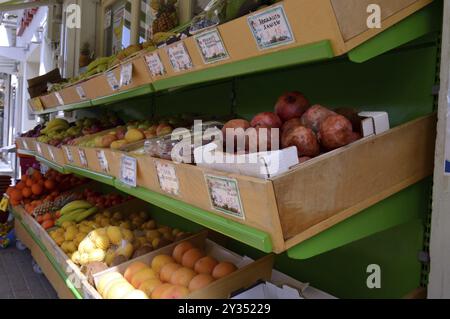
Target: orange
(16, 195)
(37, 189)
(21, 185)
(26, 192)
(29, 183)
(37, 175)
(49, 184)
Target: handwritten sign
(81, 92)
(52, 155)
(126, 74)
(224, 195)
(211, 46)
(112, 81)
(271, 28)
(103, 162)
(168, 179)
(179, 57)
(155, 65)
(128, 171)
(83, 158)
(68, 154)
(59, 98)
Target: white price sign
(155, 65)
(52, 155)
(271, 28)
(68, 154)
(25, 144)
(103, 162)
(179, 57)
(59, 98)
(168, 179)
(224, 195)
(112, 81)
(83, 158)
(81, 92)
(211, 46)
(39, 148)
(126, 74)
(128, 171)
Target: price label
(128, 170)
(81, 92)
(126, 74)
(211, 47)
(52, 155)
(112, 81)
(179, 57)
(68, 154)
(38, 148)
(25, 144)
(83, 158)
(224, 195)
(44, 169)
(271, 28)
(59, 98)
(4, 204)
(155, 65)
(103, 161)
(168, 180)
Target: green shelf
(52, 260)
(25, 152)
(124, 95)
(102, 178)
(51, 164)
(248, 235)
(305, 54)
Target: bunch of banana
(76, 211)
(55, 126)
(162, 37)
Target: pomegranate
(291, 105)
(314, 117)
(304, 139)
(267, 120)
(234, 130)
(336, 131)
(292, 123)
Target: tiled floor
(17, 278)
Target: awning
(12, 5)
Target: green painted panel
(124, 95)
(102, 178)
(415, 26)
(51, 164)
(309, 53)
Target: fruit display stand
(375, 193)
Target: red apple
(267, 120)
(291, 105)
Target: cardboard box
(309, 198)
(261, 165)
(379, 122)
(247, 274)
(35, 104)
(96, 87)
(72, 95)
(49, 101)
(51, 153)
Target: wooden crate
(342, 22)
(313, 196)
(49, 101)
(248, 272)
(51, 153)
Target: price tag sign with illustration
(83, 158)
(179, 57)
(52, 155)
(59, 98)
(168, 179)
(68, 154)
(211, 46)
(112, 81)
(128, 171)
(155, 65)
(103, 161)
(39, 148)
(224, 195)
(271, 28)
(126, 74)
(81, 92)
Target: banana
(75, 205)
(85, 214)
